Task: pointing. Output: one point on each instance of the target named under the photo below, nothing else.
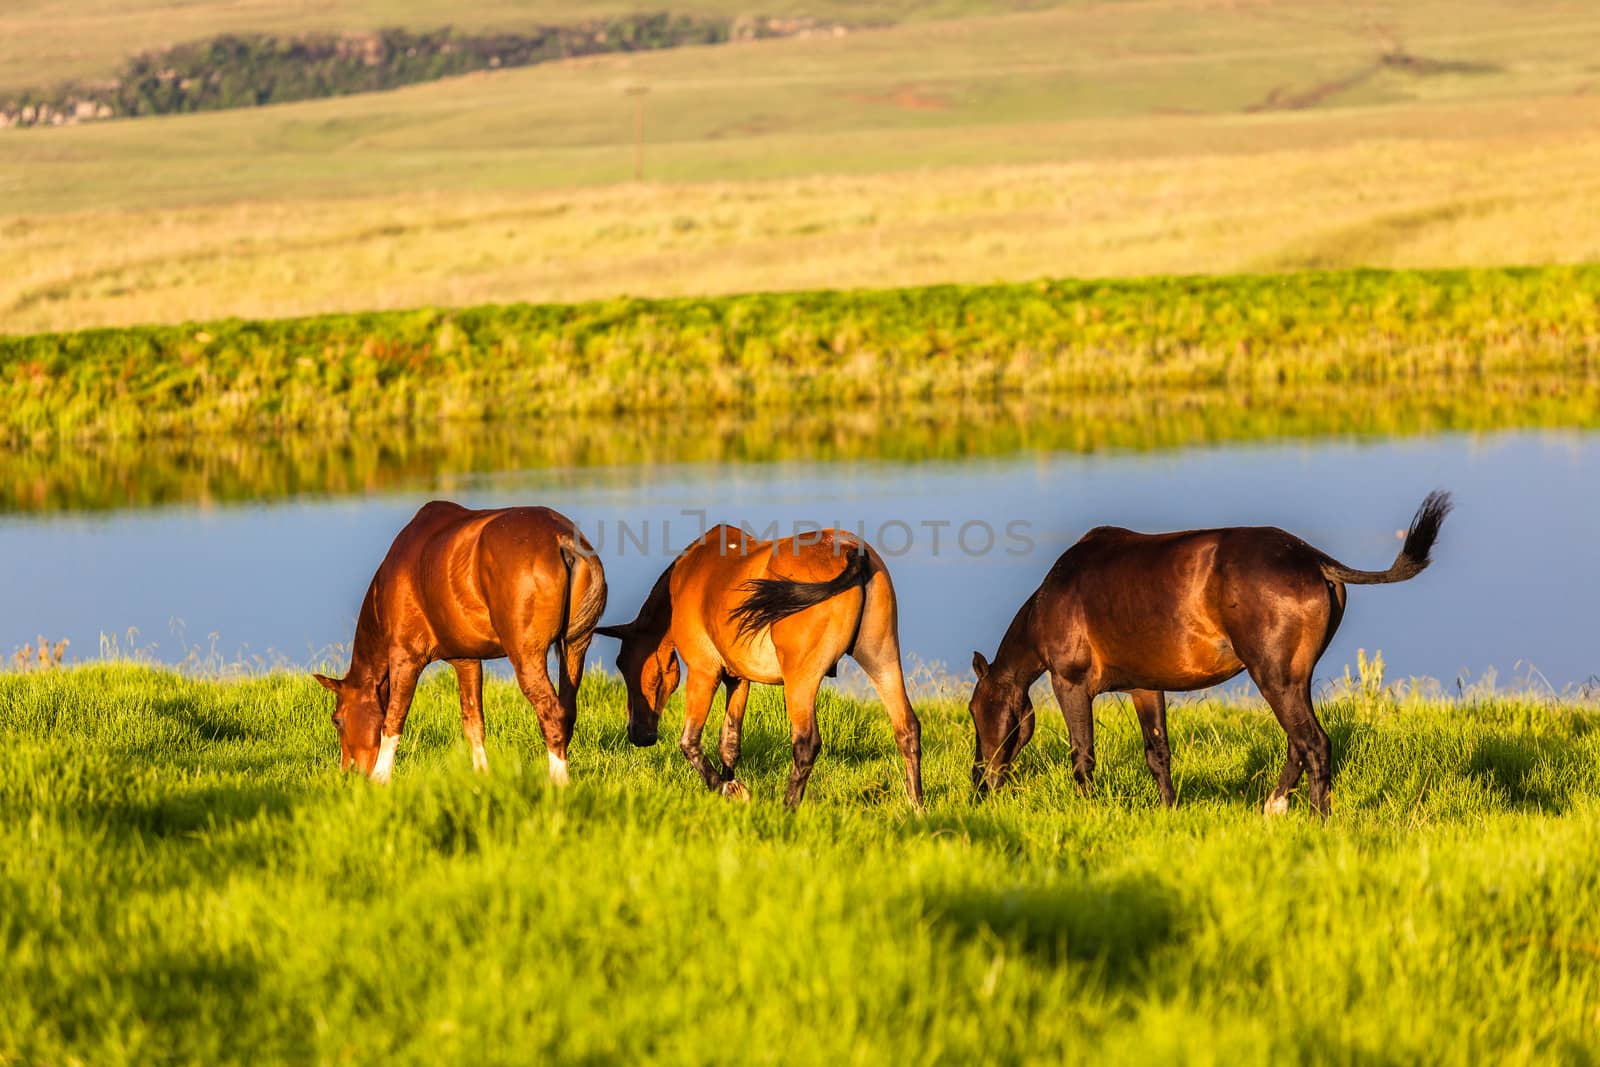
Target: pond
(1513, 589)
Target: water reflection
(576, 451)
(1514, 582)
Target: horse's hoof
(1276, 805)
(736, 791)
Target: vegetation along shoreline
(780, 350)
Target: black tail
(772, 599)
(1413, 558)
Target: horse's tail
(772, 599)
(1413, 557)
(586, 589)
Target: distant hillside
(251, 70)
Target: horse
(736, 610)
(464, 585)
(1146, 613)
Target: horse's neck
(655, 615)
(369, 657)
(1018, 656)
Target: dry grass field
(1087, 139)
(49, 40)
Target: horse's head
(358, 716)
(649, 666)
(1002, 717)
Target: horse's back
(1123, 609)
(1109, 557)
(1254, 561)
(727, 556)
(709, 585)
(472, 572)
(527, 532)
(1166, 610)
(525, 552)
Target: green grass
(185, 877)
(800, 350)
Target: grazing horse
(1145, 613)
(466, 586)
(737, 611)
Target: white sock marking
(385, 765)
(480, 759)
(558, 769)
(1277, 805)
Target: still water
(1515, 586)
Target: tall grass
(800, 350)
(184, 877)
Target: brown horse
(466, 586)
(737, 611)
(1145, 613)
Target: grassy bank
(185, 878)
(799, 350)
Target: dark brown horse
(1146, 613)
(466, 586)
(737, 611)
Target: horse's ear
(619, 631)
(980, 666)
(330, 684)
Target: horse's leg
(1077, 707)
(1151, 707)
(533, 677)
(1309, 747)
(469, 679)
(403, 675)
(1319, 749)
(882, 665)
(1293, 766)
(732, 734)
(800, 698)
(698, 690)
(528, 627)
(570, 657)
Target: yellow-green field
(1122, 138)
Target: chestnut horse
(737, 611)
(1145, 613)
(466, 586)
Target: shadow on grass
(975, 825)
(1531, 773)
(189, 812)
(206, 723)
(1117, 924)
(1248, 769)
